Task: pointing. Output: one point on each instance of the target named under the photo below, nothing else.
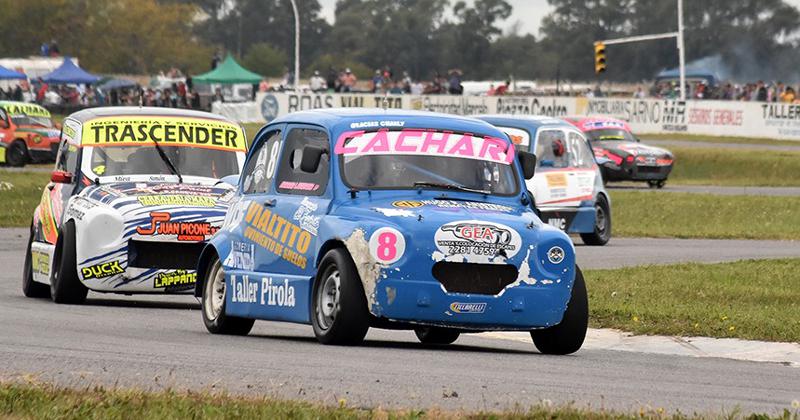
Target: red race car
(620, 154)
(27, 134)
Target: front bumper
(636, 172)
(518, 307)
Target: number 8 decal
(387, 245)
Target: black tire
(218, 322)
(567, 337)
(31, 288)
(602, 226)
(17, 154)
(436, 335)
(339, 311)
(65, 287)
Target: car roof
(342, 118)
(124, 111)
(533, 122)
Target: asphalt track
(790, 146)
(708, 189)
(159, 342)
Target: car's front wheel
(17, 154)
(65, 286)
(436, 335)
(339, 312)
(31, 288)
(567, 337)
(602, 224)
(213, 304)
(657, 183)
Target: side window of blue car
(260, 169)
(304, 163)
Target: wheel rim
(328, 300)
(600, 220)
(214, 298)
(16, 155)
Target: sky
(528, 13)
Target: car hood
(194, 212)
(631, 148)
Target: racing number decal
(387, 245)
(273, 160)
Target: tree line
(756, 39)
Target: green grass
(717, 139)
(43, 401)
(686, 215)
(757, 300)
(735, 167)
(21, 197)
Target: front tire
(31, 288)
(602, 225)
(657, 183)
(436, 335)
(567, 337)
(339, 312)
(17, 154)
(213, 304)
(65, 287)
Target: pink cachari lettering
(301, 186)
(425, 142)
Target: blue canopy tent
(10, 74)
(68, 72)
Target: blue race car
(567, 189)
(347, 219)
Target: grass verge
(20, 193)
(735, 167)
(755, 300)
(687, 215)
(717, 139)
(42, 401)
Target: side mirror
(312, 155)
(230, 179)
(528, 162)
(547, 163)
(61, 177)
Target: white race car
(134, 196)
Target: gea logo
(487, 234)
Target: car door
(565, 169)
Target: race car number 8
(387, 245)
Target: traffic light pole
(677, 35)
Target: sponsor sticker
(176, 200)
(175, 280)
(242, 256)
(556, 180)
(427, 143)
(305, 217)
(555, 255)
(451, 204)
(277, 234)
(30, 110)
(103, 270)
(170, 131)
(265, 292)
(468, 308)
(186, 231)
(477, 238)
(40, 262)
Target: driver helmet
(558, 148)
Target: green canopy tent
(228, 72)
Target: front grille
(481, 279)
(649, 169)
(164, 255)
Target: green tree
(265, 59)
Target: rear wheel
(213, 304)
(339, 312)
(436, 335)
(65, 287)
(567, 337)
(657, 183)
(17, 154)
(602, 224)
(31, 288)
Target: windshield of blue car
(427, 159)
(145, 160)
(610, 135)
